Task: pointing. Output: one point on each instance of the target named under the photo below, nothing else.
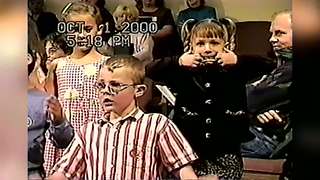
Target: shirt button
(274, 137)
(207, 85)
(208, 135)
(208, 101)
(208, 120)
(184, 109)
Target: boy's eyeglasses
(112, 88)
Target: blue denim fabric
(261, 146)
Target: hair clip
(66, 8)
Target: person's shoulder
(38, 93)
(210, 9)
(161, 120)
(62, 61)
(184, 11)
(164, 10)
(88, 125)
(36, 98)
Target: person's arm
(186, 172)
(175, 152)
(164, 32)
(72, 165)
(168, 27)
(161, 69)
(61, 131)
(49, 84)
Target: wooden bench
(262, 169)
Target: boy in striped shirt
(125, 143)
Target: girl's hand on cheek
(190, 60)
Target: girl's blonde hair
(224, 29)
(127, 10)
(81, 8)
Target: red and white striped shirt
(137, 147)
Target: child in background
(142, 42)
(196, 10)
(77, 73)
(211, 96)
(166, 40)
(56, 47)
(44, 115)
(125, 143)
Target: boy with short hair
(125, 143)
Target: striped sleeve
(175, 151)
(72, 164)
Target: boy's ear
(140, 90)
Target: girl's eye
(200, 43)
(214, 43)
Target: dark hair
(59, 40)
(100, 3)
(139, 3)
(160, 3)
(47, 23)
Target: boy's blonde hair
(135, 66)
(127, 10)
(224, 29)
(81, 8)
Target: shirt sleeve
(62, 134)
(72, 163)
(175, 151)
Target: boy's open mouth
(107, 102)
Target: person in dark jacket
(211, 99)
(268, 97)
(270, 100)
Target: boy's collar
(134, 115)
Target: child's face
(207, 47)
(53, 51)
(123, 18)
(149, 3)
(93, 2)
(194, 3)
(116, 89)
(85, 38)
